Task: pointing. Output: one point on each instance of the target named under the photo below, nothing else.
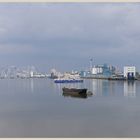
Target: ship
(68, 78)
(62, 80)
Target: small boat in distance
(62, 80)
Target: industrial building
(103, 70)
(99, 71)
(129, 72)
(109, 72)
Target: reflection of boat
(74, 95)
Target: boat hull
(75, 92)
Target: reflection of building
(102, 87)
(129, 88)
(129, 72)
(32, 85)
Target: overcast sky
(66, 35)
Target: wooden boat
(75, 91)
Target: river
(36, 108)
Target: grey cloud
(109, 32)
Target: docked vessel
(62, 80)
(68, 78)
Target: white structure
(94, 70)
(97, 70)
(31, 74)
(129, 71)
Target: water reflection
(130, 88)
(103, 87)
(113, 88)
(32, 85)
(49, 114)
(74, 95)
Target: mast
(91, 64)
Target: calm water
(36, 108)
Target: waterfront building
(31, 74)
(99, 71)
(129, 72)
(103, 71)
(85, 74)
(54, 74)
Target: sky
(65, 36)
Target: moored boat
(75, 91)
(68, 80)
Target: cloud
(15, 49)
(107, 31)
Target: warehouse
(130, 72)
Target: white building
(97, 70)
(31, 74)
(94, 70)
(129, 71)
